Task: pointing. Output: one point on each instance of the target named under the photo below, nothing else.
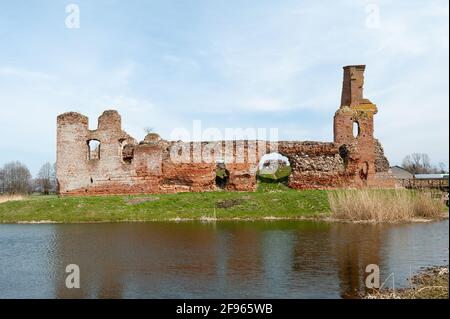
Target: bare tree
(46, 178)
(148, 130)
(2, 183)
(54, 177)
(417, 163)
(442, 168)
(16, 178)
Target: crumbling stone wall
(121, 165)
(381, 162)
(315, 165)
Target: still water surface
(276, 259)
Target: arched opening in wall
(93, 150)
(274, 168)
(126, 151)
(222, 175)
(356, 129)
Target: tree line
(419, 163)
(15, 178)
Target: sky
(227, 63)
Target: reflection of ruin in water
(355, 246)
(280, 259)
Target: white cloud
(263, 104)
(24, 74)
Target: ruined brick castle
(118, 164)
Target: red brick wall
(153, 166)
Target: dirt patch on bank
(229, 203)
(140, 200)
(7, 198)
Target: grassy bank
(270, 201)
(431, 283)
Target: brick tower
(353, 123)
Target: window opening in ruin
(127, 153)
(222, 175)
(93, 150)
(356, 129)
(343, 153)
(274, 168)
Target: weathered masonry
(109, 161)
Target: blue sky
(261, 64)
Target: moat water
(276, 259)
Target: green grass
(271, 200)
(281, 173)
(221, 172)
